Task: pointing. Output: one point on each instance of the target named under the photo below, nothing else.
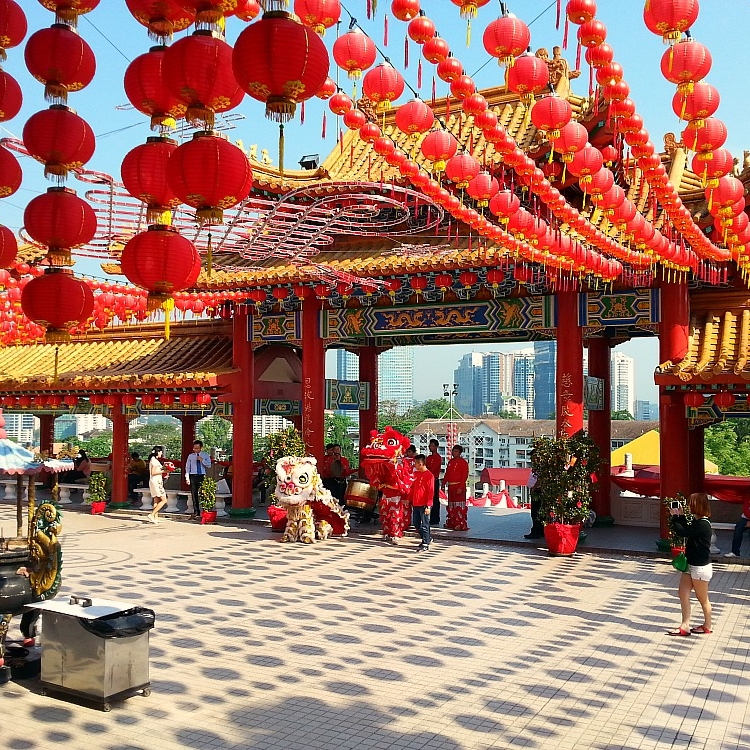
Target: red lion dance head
(382, 461)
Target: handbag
(680, 563)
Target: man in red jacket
(454, 479)
(420, 496)
(435, 466)
(739, 529)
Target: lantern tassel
(406, 52)
(209, 256)
(57, 361)
(281, 149)
(557, 15)
(385, 30)
(167, 306)
(468, 32)
(565, 33)
(302, 113)
(419, 75)
(325, 122)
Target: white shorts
(701, 572)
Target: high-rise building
(523, 379)
(267, 424)
(622, 378)
(347, 365)
(396, 378)
(645, 411)
(20, 427)
(516, 405)
(545, 363)
(469, 376)
(498, 380)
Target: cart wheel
(106, 707)
(146, 692)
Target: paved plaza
(352, 644)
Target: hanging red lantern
(449, 69)
(70, 400)
(600, 55)
(354, 52)
(13, 26)
(685, 64)
(609, 155)
(421, 28)
(586, 162)
(67, 11)
(436, 49)
(383, 146)
(463, 86)
(60, 139)
(482, 188)
(161, 261)
(61, 220)
(148, 93)
(60, 59)
(728, 191)
(710, 165)
(327, 90)
(580, 11)
(210, 174)
(247, 10)
(370, 132)
(129, 399)
(616, 91)
(486, 120)
(354, 119)
(280, 62)
(166, 399)
(8, 248)
(382, 86)
(669, 18)
(439, 146)
(319, 15)
(405, 10)
(495, 277)
(148, 399)
(57, 301)
(414, 117)
(162, 18)
(474, 105)
(443, 281)
(550, 114)
(186, 399)
(528, 77)
(461, 169)
(506, 38)
(709, 137)
(468, 278)
(610, 73)
(504, 203)
(469, 8)
(11, 98)
(693, 399)
(203, 399)
(197, 69)
(24, 402)
(724, 399)
(592, 33)
(11, 174)
(144, 176)
(573, 137)
(700, 103)
(340, 103)
(210, 12)
(418, 283)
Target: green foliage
(215, 433)
(336, 432)
(405, 423)
(728, 446)
(674, 539)
(168, 434)
(287, 442)
(622, 416)
(563, 467)
(207, 493)
(505, 414)
(99, 446)
(97, 488)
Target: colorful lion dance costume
(312, 512)
(386, 469)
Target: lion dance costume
(386, 470)
(312, 512)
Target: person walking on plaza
(434, 466)
(198, 462)
(454, 479)
(421, 497)
(739, 529)
(156, 482)
(698, 553)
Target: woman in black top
(698, 553)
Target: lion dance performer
(385, 468)
(454, 480)
(312, 512)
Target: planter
(277, 517)
(562, 538)
(676, 551)
(98, 508)
(208, 517)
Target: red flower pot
(277, 517)
(208, 517)
(562, 538)
(98, 508)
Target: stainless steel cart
(95, 649)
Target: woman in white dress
(156, 482)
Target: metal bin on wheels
(95, 649)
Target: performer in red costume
(454, 479)
(384, 466)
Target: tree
(623, 415)
(215, 433)
(168, 434)
(336, 427)
(405, 423)
(729, 451)
(98, 445)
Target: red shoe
(701, 630)
(679, 631)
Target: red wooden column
(46, 433)
(120, 456)
(188, 422)
(569, 386)
(673, 425)
(313, 379)
(368, 373)
(600, 426)
(243, 402)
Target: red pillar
(186, 448)
(46, 433)
(120, 456)
(600, 426)
(243, 401)
(569, 365)
(673, 426)
(368, 373)
(313, 379)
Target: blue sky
(116, 39)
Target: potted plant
(677, 543)
(97, 494)
(565, 468)
(207, 499)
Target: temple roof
(123, 359)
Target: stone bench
(221, 498)
(147, 501)
(66, 489)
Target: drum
(361, 495)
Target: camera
(675, 505)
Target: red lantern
(580, 11)
(11, 174)
(468, 278)
(573, 137)
(148, 399)
(8, 248)
(210, 174)
(449, 69)
(60, 139)
(383, 146)
(12, 26)
(586, 162)
(204, 399)
(197, 69)
(709, 137)
(724, 400)
(693, 399)
(669, 18)
(354, 119)
(319, 15)
(161, 17)
(504, 204)
(443, 281)
(57, 301)
(461, 169)
(67, 11)
(435, 50)
(414, 117)
(186, 399)
(463, 86)
(382, 86)
(161, 261)
(421, 28)
(148, 93)
(482, 188)
(506, 38)
(728, 191)
(495, 277)
(70, 400)
(129, 399)
(210, 12)
(592, 33)
(340, 103)
(528, 77)
(418, 283)
(144, 176)
(405, 10)
(550, 114)
(469, 7)
(354, 52)
(11, 98)
(61, 60)
(327, 90)
(24, 402)
(485, 121)
(710, 165)
(600, 55)
(247, 10)
(61, 220)
(700, 103)
(166, 399)
(686, 63)
(370, 132)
